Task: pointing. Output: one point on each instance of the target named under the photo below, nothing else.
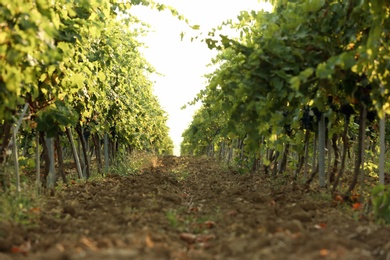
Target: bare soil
(193, 208)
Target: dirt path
(188, 208)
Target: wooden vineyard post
(307, 139)
(37, 162)
(314, 161)
(106, 163)
(382, 131)
(15, 129)
(60, 158)
(98, 152)
(329, 156)
(382, 146)
(321, 150)
(16, 160)
(52, 174)
(75, 155)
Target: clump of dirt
(193, 208)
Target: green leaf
(78, 79)
(313, 5)
(323, 72)
(304, 75)
(102, 76)
(295, 83)
(195, 27)
(43, 77)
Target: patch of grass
(95, 176)
(23, 209)
(279, 181)
(172, 217)
(193, 222)
(180, 174)
(321, 196)
(132, 164)
(381, 204)
(134, 213)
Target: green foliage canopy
(322, 54)
(76, 62)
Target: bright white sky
(183, 63)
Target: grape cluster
(310, 116)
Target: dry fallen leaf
(233, 213)
(149, 242)
(189, 238)
(35, 210)
(339, 198)
(205, 245)
(209, 224)
(320, 226)
(88, 243)
(22, 249)
(205, 238)
(279, 230)
(355, 197)
(324, 252)
(357, 206)
(194, 209)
